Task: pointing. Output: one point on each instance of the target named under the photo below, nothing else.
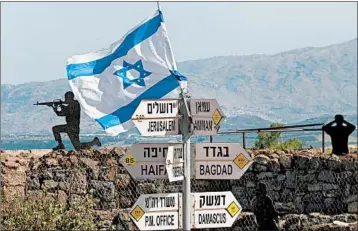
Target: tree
(272, 140)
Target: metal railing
(293, 128)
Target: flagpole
(158, 6)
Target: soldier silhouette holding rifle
(71, 109)
(339, 134)
(264, 209)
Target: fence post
(323, 142)
(243, 140)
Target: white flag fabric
(110, 83)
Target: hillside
(288, 87)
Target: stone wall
(301, 183)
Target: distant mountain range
(297, 86)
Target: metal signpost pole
(186, 183)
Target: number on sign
(129, 160)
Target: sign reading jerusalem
(214, 210)
(207, 115)
(220, 161)
(157, 117)
(157, 211)
(151, 161)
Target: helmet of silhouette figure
(69, 96)
(339, 120)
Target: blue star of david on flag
(123, 73)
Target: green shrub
(272, 140)
(47, 213)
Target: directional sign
(175, 163)
(157, 117)
(220, 161)
(157, 211)
(214, 210)
(149, 161)
(207, 116)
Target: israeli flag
(110, 83)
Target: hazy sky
(37, 38)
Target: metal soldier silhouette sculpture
(71, 109)
(264, 210)
(339, 134)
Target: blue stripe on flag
(125, 113)
(137, 36)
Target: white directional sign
(157, 211)
(157, 117)
(207, 116)
(220, 161)
(175, 163)
(149, 161)
(214, 210)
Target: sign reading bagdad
(157, 117)
(220, 160)
(157, 211)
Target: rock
(74, 160)
(354, 189)
(285, 207)
(239, 192)
(15, 178)
(107, 173)
(33, 183)
(274, 156)
(250, 184)
(92, 167)
(274, 165)
(291, 179)
(301, 162)
(103, 190)
(34, 194)
(334, 165)
(287, 196)
(61, 175)
(285, 161)
(315, 163)
(51, 162)
(65, 186)
(123, 181)
(313, 187)
(313, 202)
(264, 175)
(326, 187)
(62, 196)
(331, 193)
(49, 185)
(327, 176)
(350, 165)
(261, 159)
(353, 207)
(351, 198)
(78, 182)
(259, 167)
(333, 206)
(10, 164)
